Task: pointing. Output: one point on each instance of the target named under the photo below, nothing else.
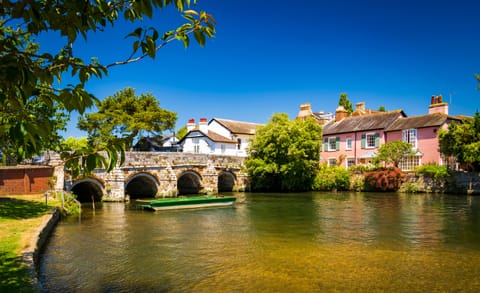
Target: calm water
(303, 242)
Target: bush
(361, 168)
(70, 204)
(357, 183)
(411, 187)
(384, 179)
(433, 170)
(332, 178)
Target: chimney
(360, 107)
(305, 111)
(438, 106)
(340, 113)
(190, 124)
(203, 125)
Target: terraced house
(355, 139)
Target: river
(296, 242)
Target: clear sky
(272, 56)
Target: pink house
(422, 133)
(355, 140)
(352, 140)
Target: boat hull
(188, 202)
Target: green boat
(187, 202)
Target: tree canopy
(462, 141)
(393, 152)
(345, 102)
(284, 154)
(31, 78)
(125, 117)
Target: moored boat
(187, 202)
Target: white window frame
(349, 159)
(409, 163)
(348, 143)
(331, 140)
(367, 140)
(196, 148)
(332, 160)
(411, 136)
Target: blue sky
(271, 56)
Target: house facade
(218, 136)
(349, 141)
(356, 139)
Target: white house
(218, 136)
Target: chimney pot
(203, 125)
(360, 106)
(190, 124)
(438, 106)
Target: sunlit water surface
(303, 242)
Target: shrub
(332, 178)
(361, 168)
(433, 170)
(411, 187)
(384, 179)
(70, 205)
(357, 183)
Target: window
(348, 143)
(409, 163)
(410, 136)
(223, 148)
(332, 143)
(350, 162)
(196, 148)
(332, 162)
(239, 144)
(370, 140)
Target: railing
(63, 195)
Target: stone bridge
(157, 174)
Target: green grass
(20, 217)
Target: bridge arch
(189, 182)
(226, 181)
(141, 185)
(88, 189)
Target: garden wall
(25, 179)
(459, 183)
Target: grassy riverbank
(20, 217)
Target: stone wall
(458, 183)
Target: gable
(212, 136)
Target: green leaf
(199, 37)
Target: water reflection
(272, 242)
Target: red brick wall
(24, 180)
